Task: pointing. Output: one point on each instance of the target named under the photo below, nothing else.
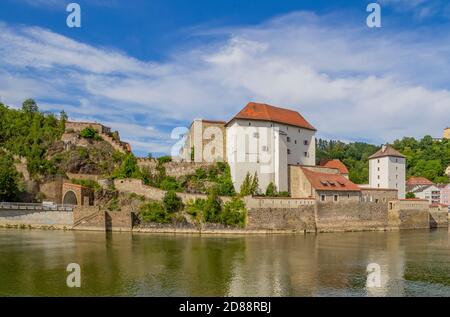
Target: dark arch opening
(70, 198)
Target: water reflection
(412, 263)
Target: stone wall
(89, 218)
(351, 216)
(84, 177)
(174, 169)
(300, 219)
(378, 195)
(439, 219)
(409, 214)
(36, 218)
(138, 187)
(53, 190)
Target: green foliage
(354, 155)
(250, 185)
(271, 190)
(30, 106)
(171, 202)
(155, 212)
(90, 133)
(410, 196)
(128, 169)
(210, 210)
(29, 133)
(426, 157)
(170, 183)
(87, 183)
(164, 159)
(234, 213)
(8, 178)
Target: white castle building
(387, 169)
(260, 139)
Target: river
(412, 263)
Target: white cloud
(349, 81)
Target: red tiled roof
(334, 182)
(264, 112)
(419, 181)
(337, 164)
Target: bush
(128, 168)
(234, 213)
(195, 209)
(87, 183)
(170, 183)
(164, 159)
(155, 212)
(88, 133)
(171, 202)
(212, 208)
(410, 196)
(271, 190)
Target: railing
(26, 206)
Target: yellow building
(447, 133)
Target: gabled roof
(413, 181)
(387, 150)
(337, 164)
(264, 112)
(329, 182)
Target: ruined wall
(174, 169)
(137, 186)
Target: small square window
(336, 198)
(306, 154)
(322, 197)
(288, 151)
(306, 142)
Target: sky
(147, 67)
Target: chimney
(383, 148)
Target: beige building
(447, 133)
(205, 142)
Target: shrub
(195, 209)
(164, 159)
(250, 185)
(234, 213)
(170, 183)
(271, 190)
(155, 212)
(410, 196)
(171, 202)
(86, 183)
(128, 168)
(88, 133)
(212, 208)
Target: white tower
(387, 169)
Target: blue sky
(146, 67)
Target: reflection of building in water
(275, 266)
(392, 263)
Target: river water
(412, 263)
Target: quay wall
(36, 218)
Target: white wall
(388, 172)
(262, 147)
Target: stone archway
(70, 198)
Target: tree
(63, 116)
(171, 202)
(8, 179)
(128, 169)
(234, 213)
(30, 106)
(254, 188)
(246, 185)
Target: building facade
(265, 140)
(432, 193)
(387, 169)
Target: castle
(278, 145)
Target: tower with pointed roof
(387, 170)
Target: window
(322, 197)
(288, 139)
(288, 151)
(378, 169)
(256, 135)
(265, 148)
(376, 201)
(396, 160)
(306, 154)
(348, 196)
(378, 185)
(378, 176)
(299, 131)
(336, 198)
(378, 161)
(305, 142)
(295, 141)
